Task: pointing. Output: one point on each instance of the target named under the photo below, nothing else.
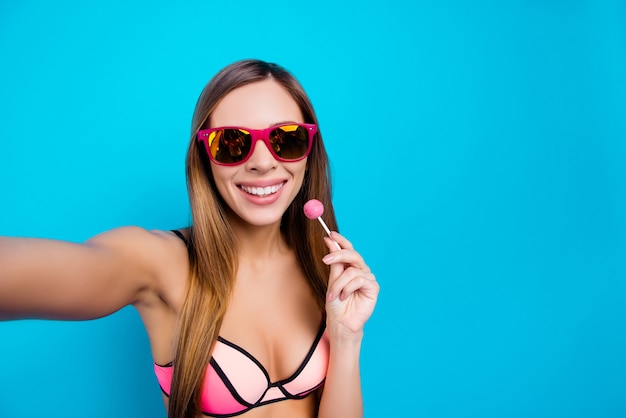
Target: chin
(258, 218)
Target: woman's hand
(352, 289)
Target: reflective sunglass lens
(290, 142)
(229, 146)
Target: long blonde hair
(212, 248)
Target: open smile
(262, 191)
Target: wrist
(340, 337)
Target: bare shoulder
(162, 253)
(155, 247)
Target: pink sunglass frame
(257, 134)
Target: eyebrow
(283, 122)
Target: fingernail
(328, 258)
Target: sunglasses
(231, 145)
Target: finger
(333, 246)
(336, 287)
(341, 240)
(347, 257)
(367, 287)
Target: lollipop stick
(327, 231)
(324, 225)
(314, 209)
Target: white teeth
(262, 191)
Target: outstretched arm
(48, 279)
(351, 297)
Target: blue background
(478, 151)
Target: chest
(272, 344)
(274, 321)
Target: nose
(261, 160)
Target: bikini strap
(181, 236)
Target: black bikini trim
(229, 385)
(279, 384)
(181, 236)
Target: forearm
(342, 396)
(38, 277)
(41, 278)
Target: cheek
(299, 172)
(221, 176)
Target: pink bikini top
(235, 381)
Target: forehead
(256, 105)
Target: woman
(251, 310)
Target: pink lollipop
(314, 209)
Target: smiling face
(261, 189)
